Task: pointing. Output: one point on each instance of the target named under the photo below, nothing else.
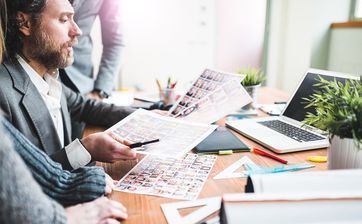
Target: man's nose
(75, 31)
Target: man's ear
(23, 22)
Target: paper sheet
(226, 98)
(177, 137)
(205, 84)
(120, 98)
(169, 177)
(272, 109)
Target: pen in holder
(168, 96)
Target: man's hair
(3, 17)
(14, 40)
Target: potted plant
(252, 81)
(338, 109)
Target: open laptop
(285, 133)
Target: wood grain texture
(349, 24)
(146, 209)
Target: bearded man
(40, 37)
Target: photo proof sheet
(213, 95)
(226, 99)
(176, 137)
(178, 178)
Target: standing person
(79, 76)
(21, 198)
(40, 39)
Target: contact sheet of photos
(205, 84)
(226, 99)
(178, 178)
(176, 137)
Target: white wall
(298, 38)
(289, 41)
(166, 38)
(240, 33)
(332, 11)
(180, 38)
(345, 53)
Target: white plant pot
(343, 153)
(253, 92)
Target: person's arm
(92, 111)
(23, 201)
(110, 18)
(102, 147)
(21, 198)
(66, 187)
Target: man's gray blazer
(80, 72)
(25, 109)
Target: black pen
(280, 102)
(139, 144)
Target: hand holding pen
(108, 147)
(139, 144)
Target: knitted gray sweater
(21, 198)
(68, 188)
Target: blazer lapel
(66, 120)
(43, 125)
(35, 108)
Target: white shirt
(51, 91)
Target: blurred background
(180, 38)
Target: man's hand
(102, 210)
(94, 95)
(107, 147)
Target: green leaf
(338, 108)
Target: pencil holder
(168, 96)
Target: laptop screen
(295, 108)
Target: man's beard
(49, 54)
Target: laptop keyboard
(291, 131)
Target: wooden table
(146, 209)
